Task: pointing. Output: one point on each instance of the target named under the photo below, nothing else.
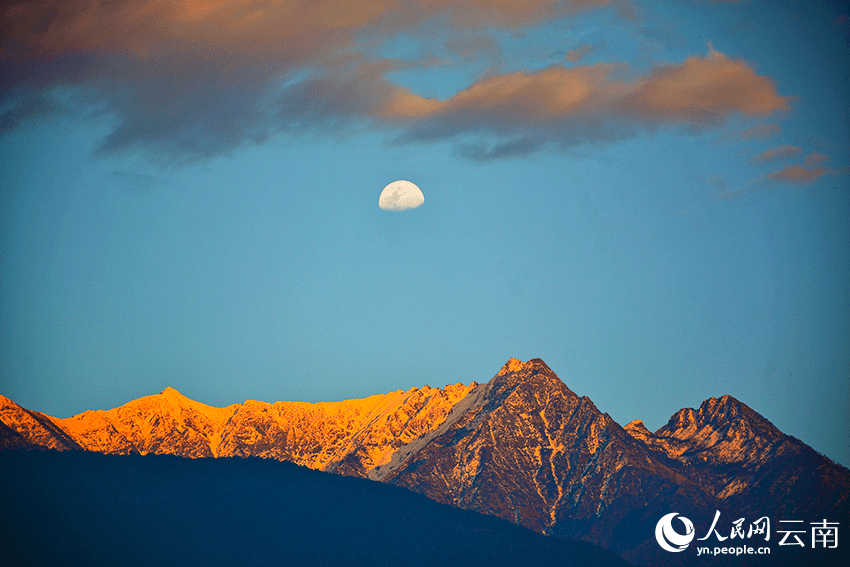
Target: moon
(400, 195)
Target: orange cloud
(782, 152)
(700, 90)
(515, 97)
(806, 173)
(815, 158)
(56, 26)
(798, 174)
(565, 106)
(704, 90)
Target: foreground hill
(85, 509)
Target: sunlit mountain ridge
(316, 435)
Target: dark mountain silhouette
(77, 508)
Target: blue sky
(652, 197)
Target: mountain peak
(533, 374)
(515, 365)
(721, 411)
(727, 411)
(172, 396)
(7, 403)
(722, 430)
(637, 426)
(512, 365)
(724, 402)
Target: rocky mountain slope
(522, 447)
(23, 428)
(530, 450)
(742, 458)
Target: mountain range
(522, 447)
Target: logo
(824, 534)
(668, 538)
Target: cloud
(799, 174)
(198, 78)
(705, 90)
(760, 131)
(815, 158)
(482, 151)
(717, 181)
(665, 37)
(525, 111)
(179, 78)
(574, 55)
(782, 152)
(806, 173)
(26, 109)
(469, 47)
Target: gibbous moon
(400, 195)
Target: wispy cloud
(808, 172)
(799, 174)
(31, 107)
(784, 151)
(564, 106)
(574, 55)
(760, 131)
(815, 158)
